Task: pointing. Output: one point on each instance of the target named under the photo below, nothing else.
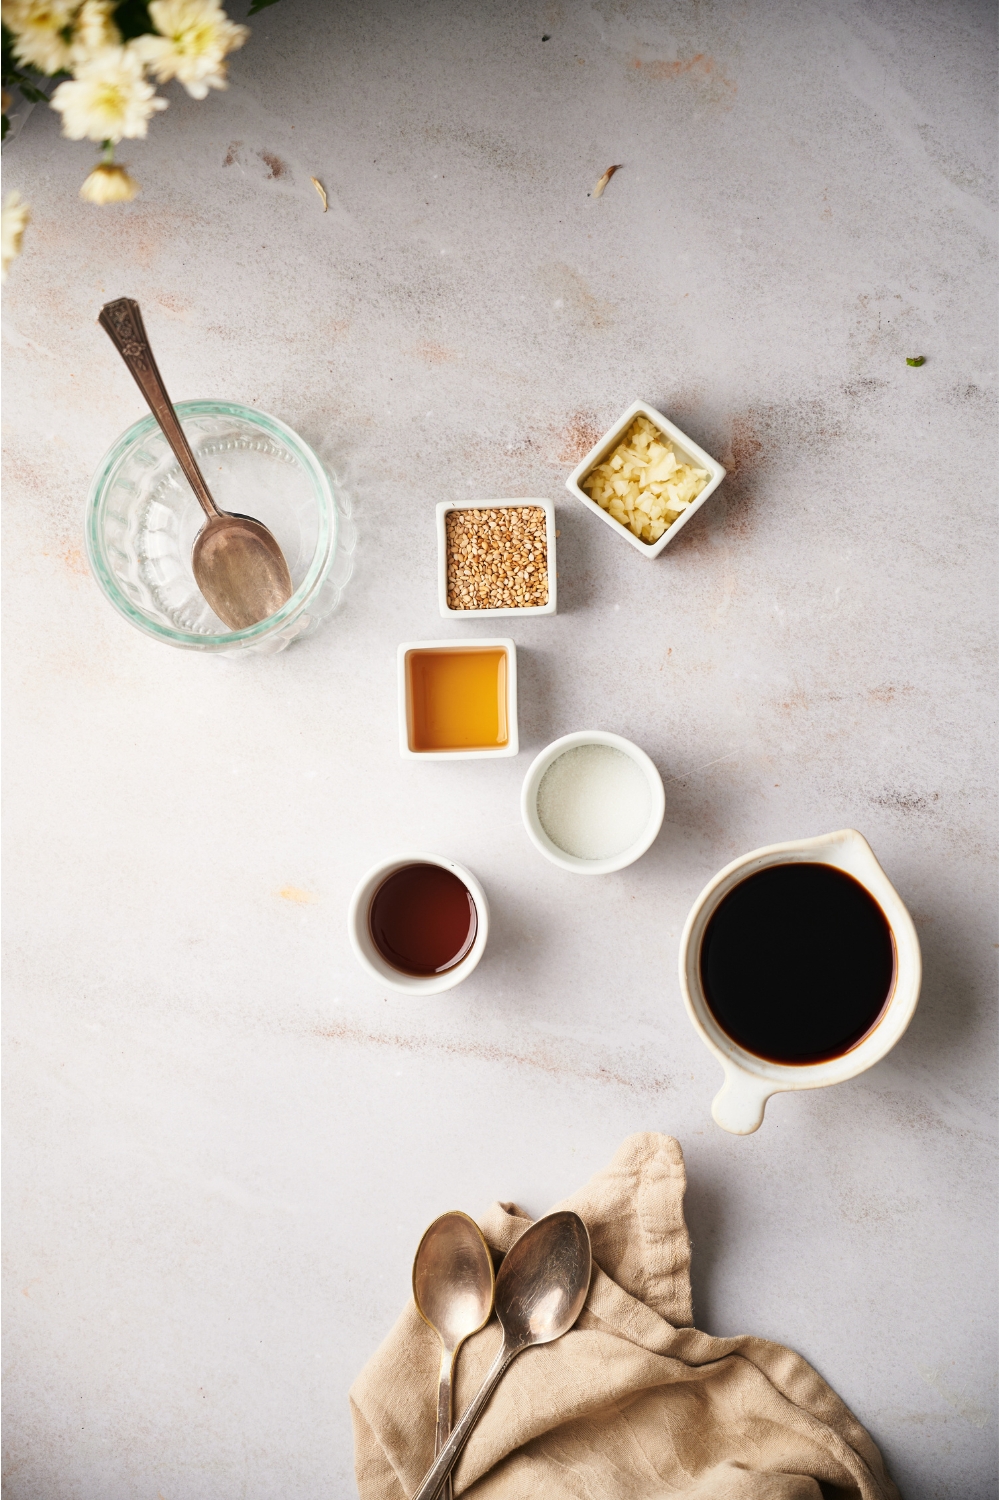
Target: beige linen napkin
(633, 1403)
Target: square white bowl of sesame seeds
(491, 554)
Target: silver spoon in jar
(453, 1290)
(236, 561)
(540, 1291)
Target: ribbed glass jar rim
(326, 541)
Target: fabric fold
(634, 1403)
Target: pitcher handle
(739, 1105)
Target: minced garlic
(642, 484)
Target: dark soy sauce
(797, 963)
(422, 920)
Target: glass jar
(142, 520)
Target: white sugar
(594, 801)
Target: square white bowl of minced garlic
(645, 478)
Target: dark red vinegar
(422, 920)
(797, 963)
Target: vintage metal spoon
(540, 1291)
(237, 563)
(453, 1290)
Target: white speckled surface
(222, 1140)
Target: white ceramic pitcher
(750, 1081)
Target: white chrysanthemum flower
(109, 183)
(195, 36)
(93, 31)
(14, 218)
(109, 99)
(39, 28)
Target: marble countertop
(224, 1140)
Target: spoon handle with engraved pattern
(122, 322)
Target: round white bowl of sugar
(592, 802)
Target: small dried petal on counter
(603, 181)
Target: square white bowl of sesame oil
(493, 553)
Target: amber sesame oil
(458, 699)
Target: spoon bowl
(544, 1280)
(240, 569)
